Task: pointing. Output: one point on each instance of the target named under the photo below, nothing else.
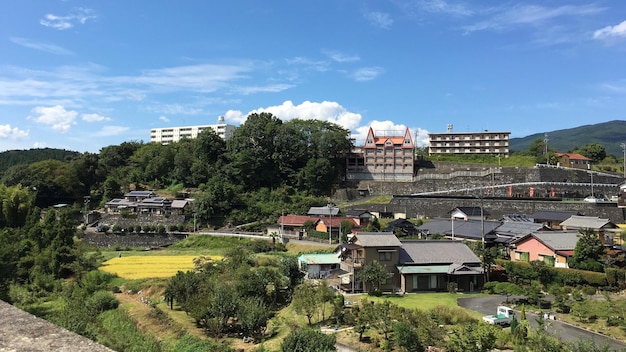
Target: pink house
(551, 247)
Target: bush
(450, 315)
(101, 301)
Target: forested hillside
(608, 134)
(256, 174)
(18, 157)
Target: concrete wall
(433, 207)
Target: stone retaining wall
(102, 240)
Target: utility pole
(623, 145)
(330, 225)
(85, 215)
(545, 146)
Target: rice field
(142, 267)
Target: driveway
(566, 332)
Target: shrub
(101, 301)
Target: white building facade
(486, 142)
(168, 135)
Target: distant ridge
(17, 157)
(609, 134)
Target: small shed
(318, 266)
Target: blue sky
(84, 74)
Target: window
(384, 256)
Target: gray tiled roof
(377, 239)
(555, 240)
(323, 211)
(518, 228)
(436, 252)
(587, 222)
(552, 215)
(471, 229)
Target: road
(566, 332)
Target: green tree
(594, 151)
(504, 288)
(308, 340)
(251, 152)
(373, 274)
(253, 316)
(472, 338)
(305, 300)
(406, 337)
(587, 252)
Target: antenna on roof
(449, 127)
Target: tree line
(267, 166)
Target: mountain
(609, 134)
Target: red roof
(296, 220)
(336, 221)
(573, 156)
(565, 253)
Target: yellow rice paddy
(141, 267)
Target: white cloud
(324, 111)
(611, 31)
(164, 118)
(316, 65)
(441, 6)
(367, 73)
(530, 15)
(95, 118)
(389, 128)
(45, 47)
(79, 15)
(108, 131)
(55, 116)
(340, 57)
(379, 19)
(8, 132)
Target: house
(318, 266)
(466, 213)
(602, 227)
(552, 219)
(155, 205)
(293, 224)
(551, 247)
(509, 231)
(433, 265)
(180, 206)
(332, 225)
(385, 156)
(402, 227)
(364, 248)
(469, 230)
(138, 196)
(360, 216)
(328, 210)
(573, 160)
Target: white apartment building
(168, 135)
(486, 142)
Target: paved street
(564, 331)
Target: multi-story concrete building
(168, 135)
(486, 142)
(385, 157)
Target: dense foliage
(266, 167)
